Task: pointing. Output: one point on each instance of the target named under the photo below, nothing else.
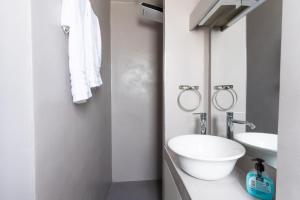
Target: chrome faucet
(203, 123)
(230, 122)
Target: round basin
(206, 157)
(260, 145)
(260, 141)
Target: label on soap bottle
(259, 187)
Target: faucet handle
(232, 113)
(202, 115)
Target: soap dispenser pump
(258, 183)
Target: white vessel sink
(261, 145)
(261, 141)
(206, 157)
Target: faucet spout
(249, 124)
(230, 124)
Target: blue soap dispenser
(259, 185)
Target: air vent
(151, 12)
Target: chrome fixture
(189, 88)
(230, 121)
(224, 89)
(203, 123)
(221, 13)
(152, 12)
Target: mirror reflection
(245, 79)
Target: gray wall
(263, 65)
(73, 142)
(289, 131)
(16, 102)
(136, 94)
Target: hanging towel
(93, 45)
(79, 20)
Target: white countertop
(229, 188)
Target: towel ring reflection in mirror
(188, 88)
(228, 89)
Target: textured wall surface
(73, 142)
(136, 94)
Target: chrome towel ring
(228, 89)
(195, 90)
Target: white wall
(16, 102)
(289, 133)
(136, 94)
(229, 67)
(73, 142)
(186, 62)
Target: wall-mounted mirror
(245, 80)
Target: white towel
(82, 24)
(93, 46)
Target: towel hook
(66, 29)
